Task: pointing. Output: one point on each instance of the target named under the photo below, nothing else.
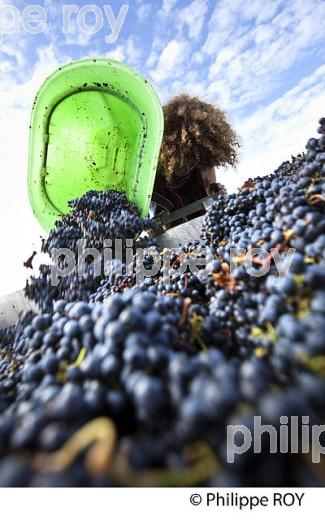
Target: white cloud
(22, 94)
(14, 52)
(198, 58)
(193, 16)
(167, 7)
(173, 54)
(171, 60)
(250, 57)
(117, 54)
(272, 133)
(128, 52)
(157, 45)
(20, 231)
(144, 11)
(5, 66)
(76, 36)
(133, 51)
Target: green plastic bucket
(96, 125)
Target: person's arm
(207, 180)
(209, 183)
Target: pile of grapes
(95, 218)
(119, 383)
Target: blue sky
(238, 53)
(260, 60)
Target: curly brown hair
(196, 134)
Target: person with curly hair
(197, 138)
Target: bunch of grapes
(94, 218)
(126, 383)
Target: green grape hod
(96, 125)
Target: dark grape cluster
(136, 383)
(94, 218)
